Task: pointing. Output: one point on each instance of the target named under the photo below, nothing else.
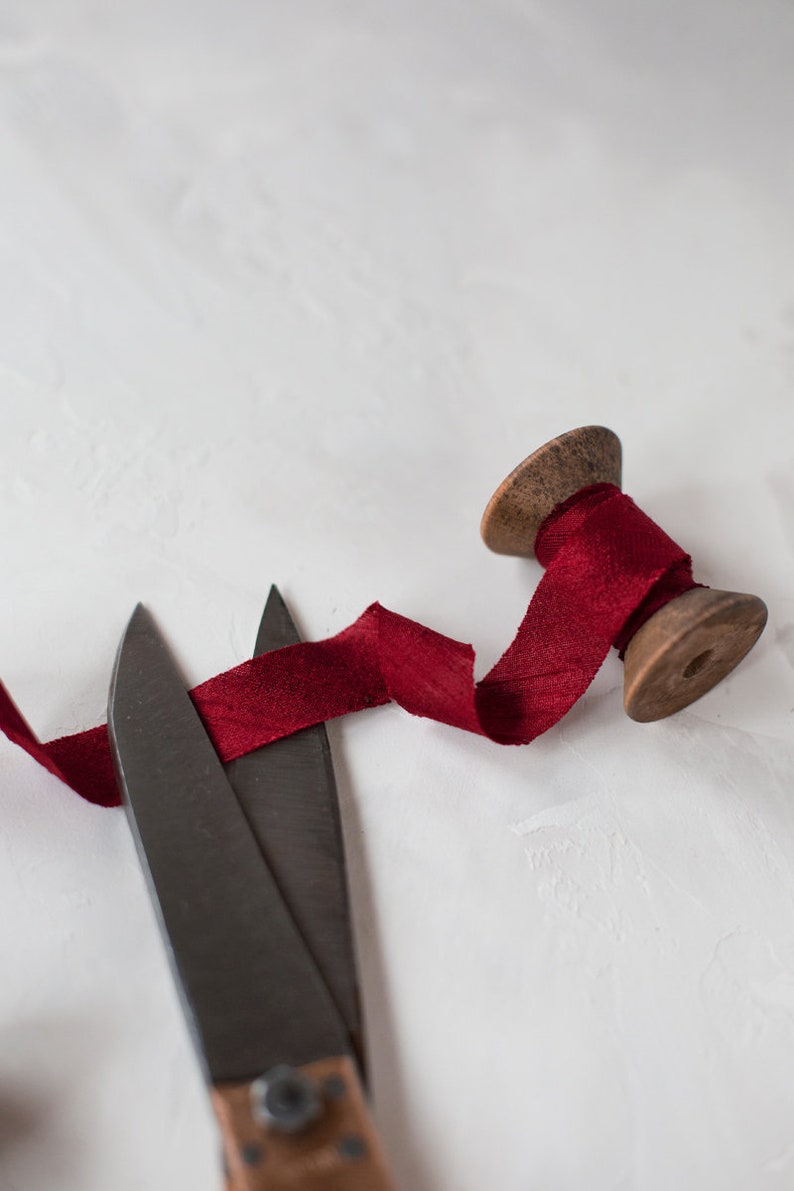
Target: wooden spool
(685, 648)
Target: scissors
(245, 867)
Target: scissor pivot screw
(286, 1100)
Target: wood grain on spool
(339, 1152)
(523, 501)
(686, 648)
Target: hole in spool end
(698, 662)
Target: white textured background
(285, 290)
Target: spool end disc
(523, 501)
(686, 648)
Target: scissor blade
(252, 992)
(288, 792)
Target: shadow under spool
(685, 648)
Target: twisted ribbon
(609, 567)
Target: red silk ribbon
(608, 568)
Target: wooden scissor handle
(340, 1151)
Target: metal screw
(352, 1146)
(251, 1154)
(286, 1100)
(334, 1087)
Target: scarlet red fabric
(608, 568)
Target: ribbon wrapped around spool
(683, 638)
(613, 577)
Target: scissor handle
(339, 1151)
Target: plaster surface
(285, 291)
